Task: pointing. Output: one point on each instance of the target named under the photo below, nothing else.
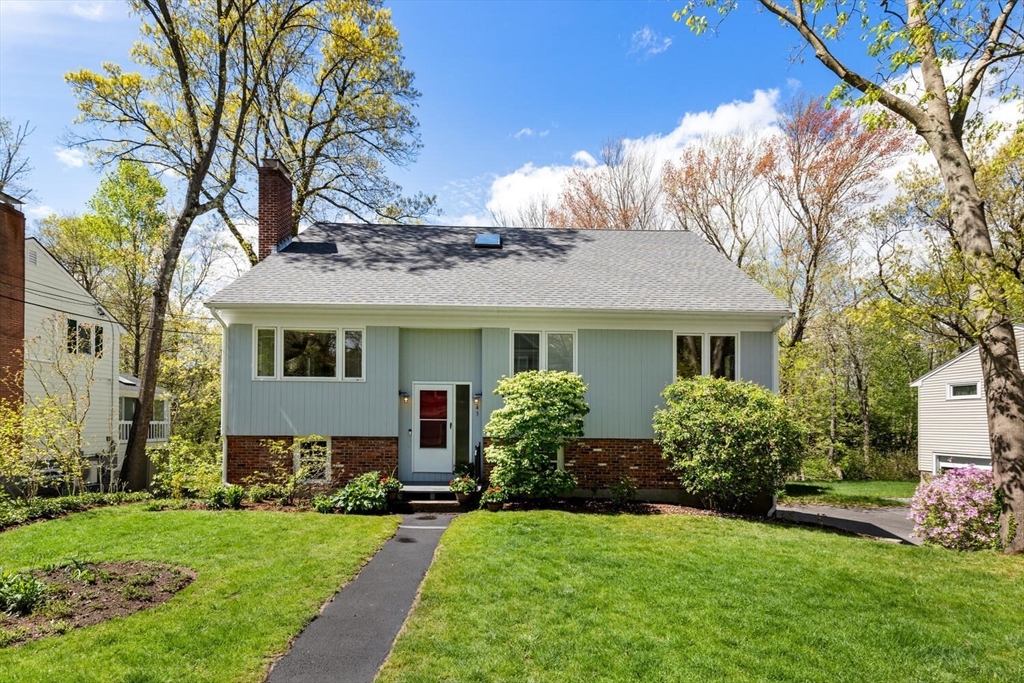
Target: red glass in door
(433, 419)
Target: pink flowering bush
(958, 510)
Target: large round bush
(728, 441)
(959, 510)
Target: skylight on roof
(488, 240)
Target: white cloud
(93, 11)
(41, 211)
(649, 42)
(543, 133)
(72, 158)
(524, 132)
(532, 183)
(584, 157)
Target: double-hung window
(543, 351)
(707, 354)
(85, 338)
(287, 353)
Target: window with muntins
(80, 337)
(555, 351)
(313, 459)
(707, 354)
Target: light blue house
(388, 341)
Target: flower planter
(463, 498)
(494, 507)
(392, 496)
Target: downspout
(223, 398)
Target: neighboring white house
(159, 426)
(952, 424)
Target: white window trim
(705, 351)
(339, 364)
(543, 347)
(362, 356)
(951, 397)
(296, 463)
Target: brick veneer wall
(350, 456)
(275, 207)
(12, 306)
(598, 463)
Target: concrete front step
(434, 506)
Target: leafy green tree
(931, 62)
(543, 411)
(190, 112)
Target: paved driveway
(891, 523)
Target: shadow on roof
(416, 249)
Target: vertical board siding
(434, 356)
(756, 358)
(496, 360)
(625, 372)
(325, 407)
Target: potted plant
(493, 498)
(463, 487)
(391, 486)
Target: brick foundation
(599, 463)
(350, 456)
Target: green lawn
(553, 596)
(262, 577)
(848, 493)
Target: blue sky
(512, 91)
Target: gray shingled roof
(394, 265)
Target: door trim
(417, 387)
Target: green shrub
(14, 512)
(186, 469)
(362, 494)
(542, 412)
(216, 499)
(623, 490)
(728, 441)
(233, 496)
(20, 593)
(322, 503)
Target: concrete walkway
(353, 635)
(891, 523)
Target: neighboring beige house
(952, 424)
(53, 298)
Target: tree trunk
(133, 469)
(1004, 380)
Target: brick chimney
(275, 196)
(12, 296)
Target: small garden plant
(493, 494)
(363, 494)
(466, 485)
(543, 411)
(959, 510)
(729, 442)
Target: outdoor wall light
(404, 395)
(477, 399)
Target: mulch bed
(82, 594)
(607, 507)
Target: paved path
(889, 523)
(353, 635)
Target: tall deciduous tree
(14, 165)
(717, 188)
(189, 113)
(933, 59)
(826, 168)
(622, 192)
(336, 107)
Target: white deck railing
(158, 431)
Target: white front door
(433, 428)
